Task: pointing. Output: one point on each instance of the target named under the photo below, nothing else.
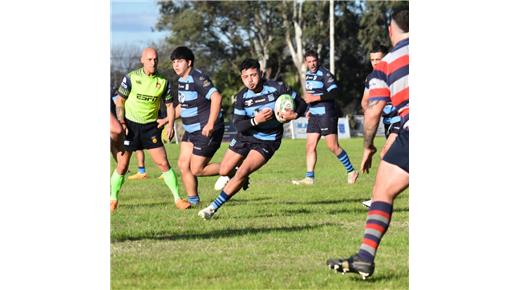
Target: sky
(131, 22)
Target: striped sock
(343, 157)
(378, 220)
(309, 174)
(220, 200)
(194, 200)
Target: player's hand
(309, 98)
(161, 122)
(288, 115)
(125, 129)
(169, 132)
(366, 163)
(207, 130)
(265, 115)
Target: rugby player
(259, 133)
(390, 82)
(391, 120)
(321, 90)
(137, 106)
(199, 103)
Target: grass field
(274, 235)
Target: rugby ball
(283, 103)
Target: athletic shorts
(398, 153)
(202, 145)
(324, 125)
(142, 136)
(267, 149)
(392, 128)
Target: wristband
(253, 122)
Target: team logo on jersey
(181, 98)
(206, 83)
(123, 84)
(315, 78)
(157, 85)
(248, 102)
(372, 83)
(270, 98)
(154, 139)
(138, 82)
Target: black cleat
(245, 186)
(352, 265)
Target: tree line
(277, 33)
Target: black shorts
(142, 136)
(267, 149)
(398, 153)
(324, 125)
(392, 128)
(202, 145)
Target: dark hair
(400, 16)
(182, 52)
(310, 53)
(249, 63)
(377, 47)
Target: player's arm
(364, 101)
(216, 101)
(170, 111)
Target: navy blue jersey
(248, 103)
(193, 94)
(317, 84)
(390, 115)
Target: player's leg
(200, 165)
(391, 179)
(229, 164)
(253, 161)
(141, 170)
(118, 178)
(188, 179)
(311, 157)
(169, 177)
(329, 127)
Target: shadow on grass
(378, 277)
(217, 234)
(361, 209)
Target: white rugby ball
(283, 103)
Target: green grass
(274, 235)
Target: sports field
(274, 235)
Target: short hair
(377, 47)
(182, 52)
(400, 16)
(249, 63)
(310, 53)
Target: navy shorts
(398, 153)
(202, 145)
(324, 125)
(267, 149)
(392, 128)
(142, 136)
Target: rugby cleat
(221, 182)
(352, 177)
(305, 181)
(354, 264)
(367, 203)
(138, 176)
(207, 213)
(245, 185)
(113, 206)
(182, 204)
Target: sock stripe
(343, 158)
(378, 220)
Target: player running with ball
(259, 133)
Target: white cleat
(367, 203)
(305, 181)
(221, 182)
(207, 213)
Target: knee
(224, 171)
(197, 171)
(183, 166)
